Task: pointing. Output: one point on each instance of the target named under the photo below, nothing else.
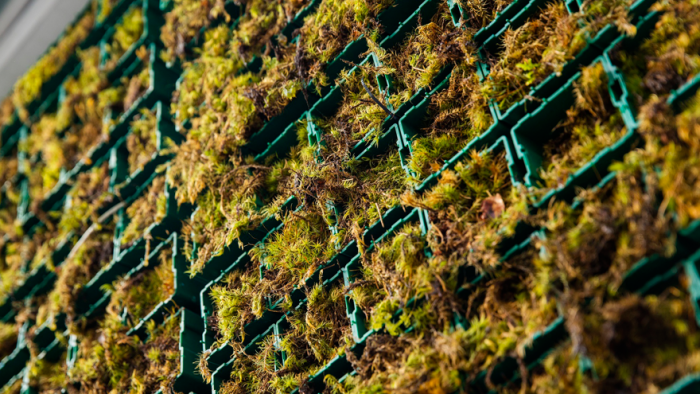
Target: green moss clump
(105, 9)
(633, 343)
(28, 87)
(185, 23)
(544, 44)
(471, 209)
(89, 193)
(121, 97)
(148, 209)
(316, 333)
(668, 57)
(139, 294)
(46, 377)
(480, 13)
(126, 33)
(592, 124)
(8, 339)
(142, 142)
(293, 254)
(107, 359)
(456, 115)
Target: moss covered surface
(387, 219)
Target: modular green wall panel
(355, 196)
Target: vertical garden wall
(355, 196)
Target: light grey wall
(27, 29)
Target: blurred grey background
(27, 29)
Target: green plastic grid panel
(340, 363)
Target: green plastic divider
(687, 385)
(679, 97)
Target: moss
(239, 195)
(37, 249)
(480, 13)
(90, 192)
(8, 339)
(45, 157)
(592, 124)
(472, 209)
(334, 25)
(434, 45)
(139, 294)
(668, 57)
(293, 254)
(203, 79)
(408, 364)
(142, 142)
(126, 33)
(456, 115)
(46, 377)
(9, 196)
(412, 287)
(543, 45)
(671, 148)
(317, 332)
(635, 344)
(107, 359)
(286, 260)
(148, 209)
(28, 87)
(262, 20)
(120, 97)
(359, 116)
(105, 9)
(79, 118)
(79, 267)
(185, 22)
